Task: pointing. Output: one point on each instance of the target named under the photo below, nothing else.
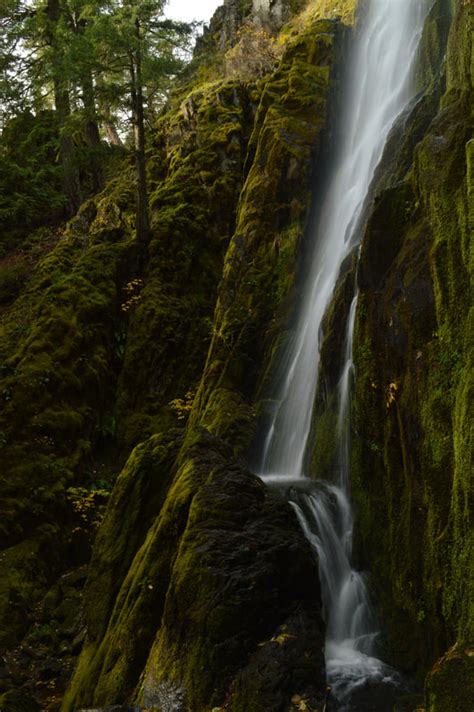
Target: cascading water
(378, 89)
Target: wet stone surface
(379, 696)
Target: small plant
(421, 615)
(391, 394)
(89, 505)
(255, 54)
(107, 427)
(120, 344)
(132, 294)
(183, 406)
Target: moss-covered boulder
(210, 581)
(239, 573)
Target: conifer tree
(82, 54)
(138, 52)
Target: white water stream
(378, 88)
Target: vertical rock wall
(202, 589)
(412, 458)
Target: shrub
(255, 54)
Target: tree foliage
(102, 67)
(255, 53)
(30, 181)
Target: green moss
(433, 43)
(260, 264)
(230, 417)
(56, 382)
(450, 684)
(413, 399)
(132, 592)
(195, 179)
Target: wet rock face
(450, 684)
(286, 668)
(258, 285)
(412, 451)
(242, 570)
(383, 241)
(224, 583)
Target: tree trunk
(110, 130)
(70, 175)
(91, 131)
(142, 221)
(70, 179)
(106, 118)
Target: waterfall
(378, 87)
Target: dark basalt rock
(287, 667)
(382, 243)
(224, 576)
(450, 684)
(244, 583)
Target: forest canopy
(79, 80)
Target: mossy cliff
(196, 164)
(58, 366)
(210, 586)
(92, 354)
(88, 343)
(201, 591)
(412, 456)
(258, 276)
(97, 358)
